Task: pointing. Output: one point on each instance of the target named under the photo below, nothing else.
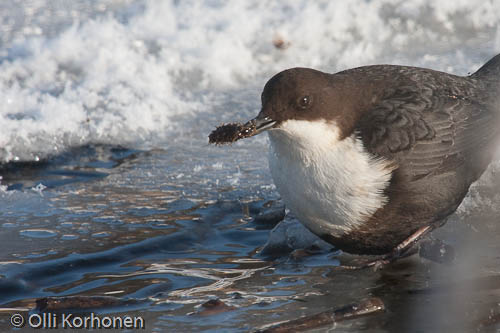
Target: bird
(373, 158)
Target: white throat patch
(330, 185)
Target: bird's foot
(404, 249)
(381, 262)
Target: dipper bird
(371, 158)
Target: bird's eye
(304, 102)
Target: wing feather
(426, 128)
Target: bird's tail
(490, 70)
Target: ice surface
(135, 72)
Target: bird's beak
(261, 123)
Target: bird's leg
(404, 249)
(400, 251)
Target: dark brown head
(308, 94)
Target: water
(110, 188)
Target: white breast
(330, 185)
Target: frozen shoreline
(125, 73)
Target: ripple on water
(38, 255)
(38, 233)
(100, 234)
(69, 237)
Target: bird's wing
(432, 127)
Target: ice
(290, 235)
(38, 233)
(3, 188)
(483, 195)
(39, 188)
(137, 75)
(218, 165)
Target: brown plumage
(436, 131)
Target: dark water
(164, 232)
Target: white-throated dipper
(371, 158)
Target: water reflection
(142, 234)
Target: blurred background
(109, 186)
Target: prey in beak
(232, 132)
(262, 123)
